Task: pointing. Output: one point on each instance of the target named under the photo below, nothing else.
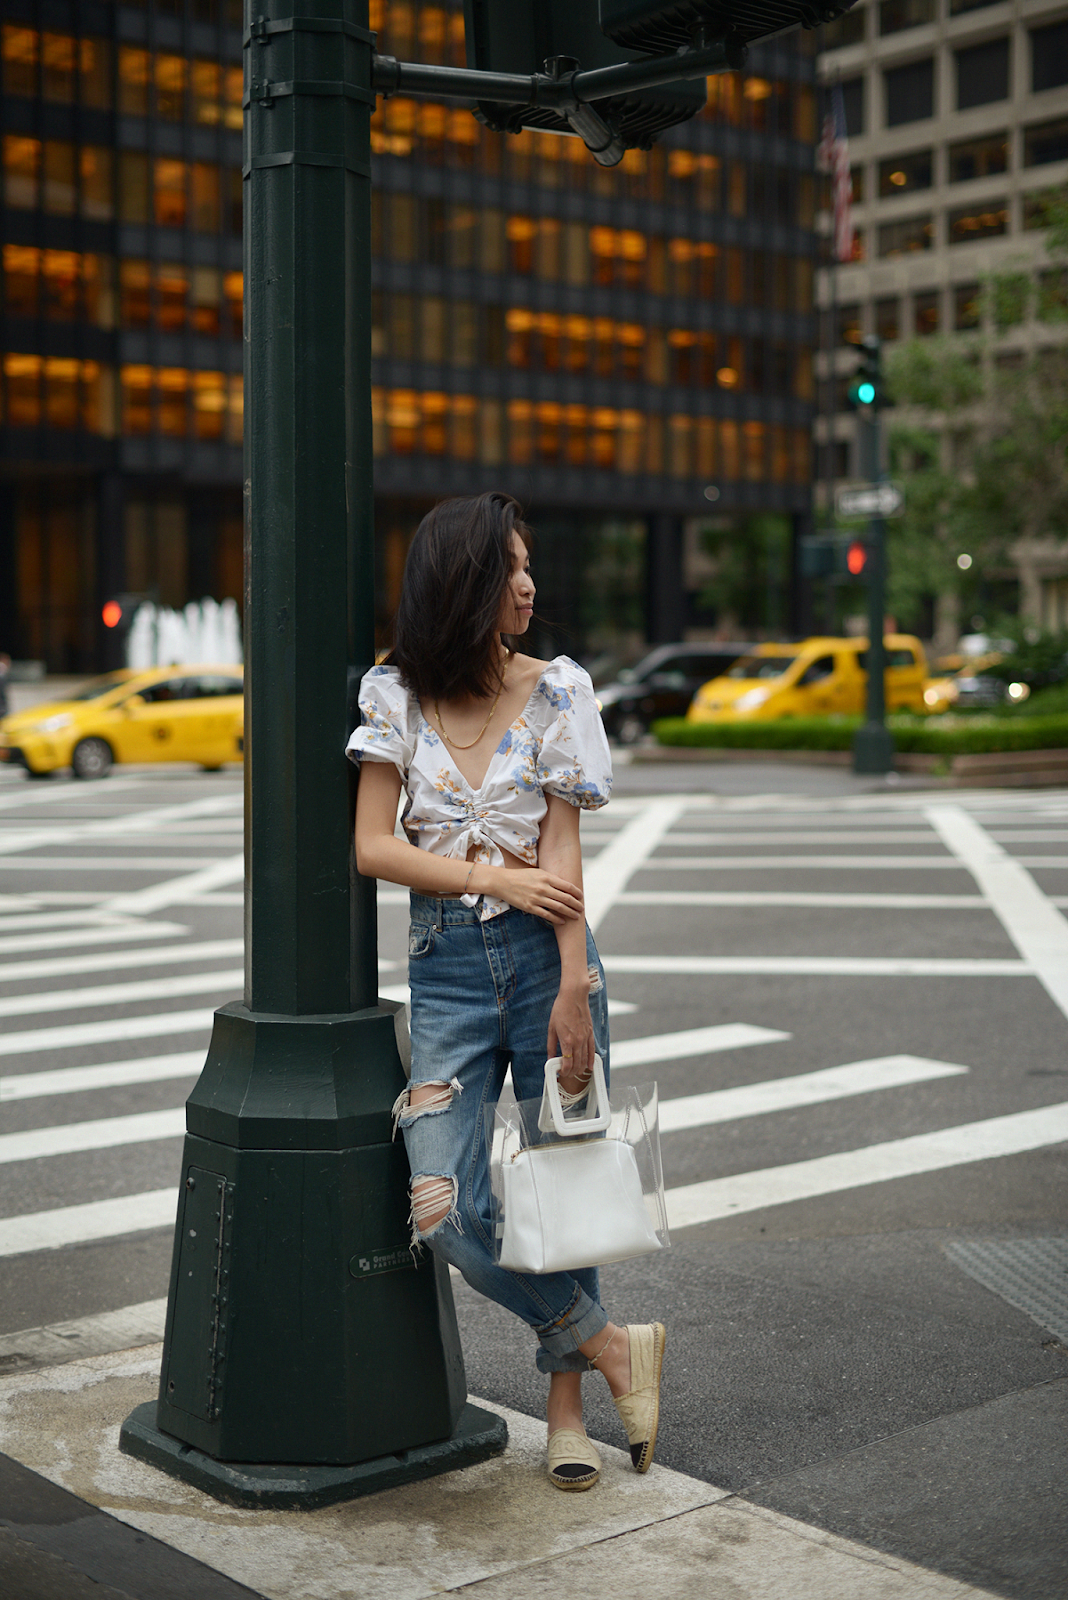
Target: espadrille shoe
(640, 1409)
(573, 1462)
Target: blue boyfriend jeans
(481, 997)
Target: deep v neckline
(470, 787)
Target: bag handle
(597, 1121)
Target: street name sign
(869, 500)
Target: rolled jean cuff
(559, 1341)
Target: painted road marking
(153, 1026)
(821, 966)
(159, 955)
(141, 902)
(915, 835)
(155, 819)
(806, 1089)
(625, 853)
(1035, 926)
(104, 1134)
(399, 992)
(691, 1042)
(771, 897)
(688, 1206)
(87, 931)
(106, 1075)
(109, 994)
(810, 863)
(857, 1169)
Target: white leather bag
(577, 1200)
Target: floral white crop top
(555, 746)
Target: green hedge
(937, 736)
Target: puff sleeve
(385, 732)
(574, 762)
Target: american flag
(833, 156)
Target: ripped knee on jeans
(593, 973)
(433, 1204)
(423, 1100)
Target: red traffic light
(112, 614)
(856, 558)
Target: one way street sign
(869, 500)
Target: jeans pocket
(420, 940)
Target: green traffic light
(866, 393)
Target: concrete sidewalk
(79, 1519)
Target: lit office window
(205, 196)
(205, 80)
(520, 432)
(59, 67)
(96, 184)
(982, 221)
(232, 95)
(61, 285)
(55, 392)
(235, 411)
(22, 390)
(137, 388)
(172, 293)
(172, 386)
(134, 78)
(233, 292)
(169, 193)
(209, 404)
(60, 188)
(94, 66)
(20, 53)
(172, 80)
(903, 174)
(135, 294)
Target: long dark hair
(455, 579)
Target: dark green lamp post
(308, 1356)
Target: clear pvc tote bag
(577, 1188)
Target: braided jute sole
(640, 1409)
(573, 1461)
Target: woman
(497, 753)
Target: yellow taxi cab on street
(179, 713)
(816, 678)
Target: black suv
(662, 685)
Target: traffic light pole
(309, 1355)
(873, 745)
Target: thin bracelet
(467, 880)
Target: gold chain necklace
(485, 725)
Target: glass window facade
(605, 342)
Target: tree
(981, 444)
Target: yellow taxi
(816, 678)
(181, 713)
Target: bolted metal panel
(325, 1314)
(196, 1345)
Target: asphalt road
(854, 998)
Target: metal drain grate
(1031, 1274)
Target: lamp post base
(478, 1435)
(873, 749)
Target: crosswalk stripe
(113, 960)
(65, 864)
(99, 1219)
(915, 835)
(89, 932)
(625, 853)
(814, 900)
(691, 1042)
(878, 1163)
(104, 1134)
(155, 1025)
(107, 994)
(822, 966)
(807, 863)
(105, 1075)
(805, 1089)
(171, 892)
(688, 1206)
(206, 950)
(1036, 928)
(152, 820)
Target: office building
(627, 350)
(957, 115)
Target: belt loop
(441, 916)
